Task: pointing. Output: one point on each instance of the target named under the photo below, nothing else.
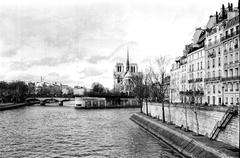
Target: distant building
(66, 90)
(124, 78)
(78, 91)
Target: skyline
(78, 43)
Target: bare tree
(194, 95)
(157, 80)
(141, 89)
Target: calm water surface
(38, 131)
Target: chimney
(238, 5)
(223, 12)
(231, 7)
(216, 17)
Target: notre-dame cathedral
(123, 78)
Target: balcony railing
(236, 61)
(229, 36)
(212, 55)
(191, 81)
(231, 78)
(212, 79)
(198, 79)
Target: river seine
(38, 131)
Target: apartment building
(231, 68)
(175, 81)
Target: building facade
(231, 68)
(175, 81)
(210, 66)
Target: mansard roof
(232, 22)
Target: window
(118, 68)
(213, 64)
(231, 31)
(208, 64)
(236, 57)
(236, 72)
(226, 59)
(226, 73)
(213, 100)
(118, 80)
(232, 100)
(231, 73)
(198, 66)
(219, 61)
(213, 88)
(231, 57)
(231, 87)
(237, 29)
(237, 86)
(219, 73)
(236, 43)
(219, 50)
(213, 74)
(225, 46)
(215, 39)
(226, 87)
(208, 99)
(209, 42)
(226, 34)
(201, 65)
(226, 102)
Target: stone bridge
(45, 100)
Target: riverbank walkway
(194, 143)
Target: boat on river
(89, 102)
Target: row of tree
(15, 91)
(152, 84)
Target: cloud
(19, 66)
(91, 72)
(9, 52)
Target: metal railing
(212, 79)
(229, 35)
(231, 78)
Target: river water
(38, 131)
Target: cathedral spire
(127, 65)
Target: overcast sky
(78, 43)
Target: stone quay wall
(207, 119)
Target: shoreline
(186, 143)
(9, 106)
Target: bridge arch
(30, 100)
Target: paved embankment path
(186, 143)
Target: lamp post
(222, 95)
